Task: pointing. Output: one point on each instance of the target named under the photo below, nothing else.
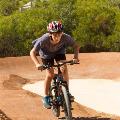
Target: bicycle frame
(59, 92)
(56, 93)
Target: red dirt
(18, 104)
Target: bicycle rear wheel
(66, 104)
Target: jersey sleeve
(69, 41)
(37, 44)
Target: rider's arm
(34, 57)
(72, 43)
(76, 51)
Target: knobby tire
(66, 104)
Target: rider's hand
(75, 60)
(39, 67)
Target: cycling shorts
(56, 58)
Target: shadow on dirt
(87, 118)
(3, 116)
(14, 82)
(91, 118)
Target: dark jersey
(47, 50)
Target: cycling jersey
(47, 50)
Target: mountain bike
(59, 92)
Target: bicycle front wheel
(66, 104)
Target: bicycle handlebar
(58, 64)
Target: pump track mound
(19, 104)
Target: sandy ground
(18, 104)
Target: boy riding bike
(51, 46)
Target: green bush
(16, 36)
(94, 24)
(7, 7)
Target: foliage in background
(98, 25)
(16, 36)
(94, 24)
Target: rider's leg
(64, 71)
(47, 82)
(48, 79)
(66, 78)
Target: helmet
(55, 26)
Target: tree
(7, 7)
(96, 24)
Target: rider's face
(56, 37)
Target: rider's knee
(50, 76)
(50, 73)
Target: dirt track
(18, 104)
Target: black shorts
(57, 57)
